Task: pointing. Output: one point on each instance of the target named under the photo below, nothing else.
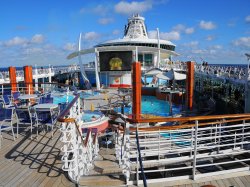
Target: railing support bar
(195, 149)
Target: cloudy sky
(45, 32)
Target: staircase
(106, 171)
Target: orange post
(12, 74)
(28, 79)
(136, 85)
(190, 85)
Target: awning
(164, 52)
(171, 75)
(153, 71)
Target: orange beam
(136, 85)
(190, 85)
(12, 74)
(28, 79)
(192, 118)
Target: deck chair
(46, 100)
(6, 121)
(25, 116)
(6, 100)
(47, 117)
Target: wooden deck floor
(35, 162)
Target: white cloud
(247, 19)
(217, 47)
(172, 35)
(210, 38)
(83, 11)
(152, 34)
(243, 42)
(133, 7)
(101, 10)
(207, 25)
(199, 51)
(192, 44)
(179, 27)
(183, 29)
(116, 32)
(34, 50)
(91, 35)
(189, 30)
(105, 21)
(16, 41)
(69, 47)
(37, 38)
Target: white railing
(78, 152)
(122, 152)
(192, 150)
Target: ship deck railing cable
(140, 160)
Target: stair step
(102, 180)
(105, 167)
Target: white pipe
(159, 47)
(98, 87)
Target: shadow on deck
(32, 162)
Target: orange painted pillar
(12, 74)
(28, 79)
(136, 86)
(190, 85)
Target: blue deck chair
(6, 121)
(47, 117)
(6, 100)
(46, 100)
(62, 106)
(15, 95)
(25, 116)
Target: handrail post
(242, 137)
(137, 160)
(195, 148)
(218, 150)
(159, 144)
(192, 141)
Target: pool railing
(201, 142)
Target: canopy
(171, 75)
(153, 71)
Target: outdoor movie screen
(115, 60)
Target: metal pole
(195, 149)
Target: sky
(44, 32)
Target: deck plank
(35, 162)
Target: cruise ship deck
(37, 162)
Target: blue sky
(45, 32)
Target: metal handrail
(140, 160)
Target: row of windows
(162, 46)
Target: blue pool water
(91, 116)
(88, 94)
(62, 99)
(175, 136)
(152, 105)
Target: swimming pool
(153, 106)
(86, 94)
(57, 99)
(91, 116)
(177, 138)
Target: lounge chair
(6, 121)
(47, 117)
(25, 116)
